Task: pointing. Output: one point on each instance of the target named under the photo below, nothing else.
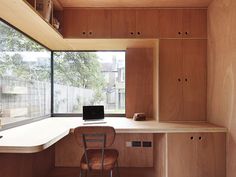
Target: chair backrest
(95, 136)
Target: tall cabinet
(182, 79)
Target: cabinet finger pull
(200, 138)
(179, 33)
(179, 79)
(186, 80)
(191, 138)
(132, 33)
(186, 32)
(138, 33)
(83, 32)
(90, 33)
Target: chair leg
(111, 173)
(80, 173)
(117, 169)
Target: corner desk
(173, 149)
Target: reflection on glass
(24, 77)
(89, 78)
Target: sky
(107, 56)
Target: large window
(89, 78)
(24, 77)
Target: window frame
(53, 114)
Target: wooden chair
(95, 140)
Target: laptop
(93, 114)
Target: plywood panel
(27, 165)
(211, 155)
(147, 23)
(75, 23)
(156, 81)
(134, 156)
(221, 100)
(123, 23)
(194, 79)
(171, 23)
(67, 152)
(170, 80)
(133, 3)
(99, 23)
(160, 155)
(195, 23)
(139, 81)
(182, 155)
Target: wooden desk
(29, 150)
(40, 135)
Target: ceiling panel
(135, 3)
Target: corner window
(89, 78)
(24, 77)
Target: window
(24, 77)
(89, 78)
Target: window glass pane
(24, 77)
(89, 78)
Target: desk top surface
(37, 136)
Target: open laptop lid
(93, 113)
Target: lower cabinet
(196, 155)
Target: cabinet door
(139, 81)
(181, 154)
(99, 23)
(75, 23)
(194, 84)
(195, 23)
(211, 155)
(170, 80)
(123, 23)
(147, 25)
(170, 23)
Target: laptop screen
(93, 112)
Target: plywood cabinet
(147, 25)
(170, 23)
(99, 23)
(139, 81)
(134, 23)
(196, 155)
(74, 23)
(86, 23)
(194, 79)
(183, 23)
(182, 80)
(170, 82)
(123, 23)
(131, 23)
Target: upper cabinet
(183, 23)
(147, 23)
(86, 23)
(134, 23)
(170, 23)
(139, 23)
(123, 23)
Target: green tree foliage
(79, 69)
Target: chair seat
(95, 159)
